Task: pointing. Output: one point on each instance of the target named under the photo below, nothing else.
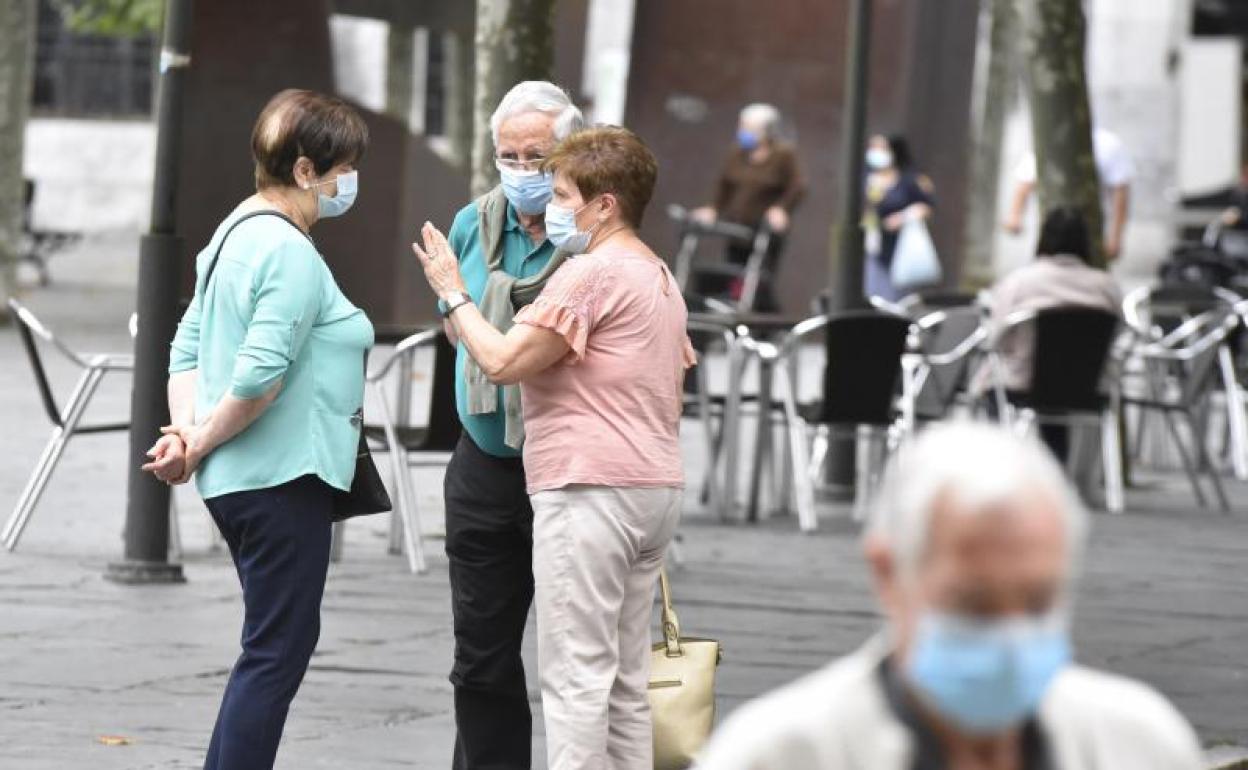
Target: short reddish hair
(608, 159)
(324, 129)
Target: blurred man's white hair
(538, 96)
(974, 467)
(762, 115)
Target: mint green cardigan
(271, 312)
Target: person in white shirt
(973, 547)
(1116, 171)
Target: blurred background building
(1166, 75)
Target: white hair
(763, 115)
(981, 466)
(538, 96)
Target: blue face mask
(561, 229)
(527, 191)
(986, 676)
(747, 140)
(348, 186)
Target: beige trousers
(596, 557)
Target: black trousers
(279, 539)
(489, 541)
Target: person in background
(974, 549)
(600, 357)
(266, 387)
(505, 258)
(1061, 275)
(1236, 214)
(1115, 169)
(895, 193)
(760, 186)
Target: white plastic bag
(915, 262)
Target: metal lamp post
(146, 558)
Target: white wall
(608, 48)
(91, 175)
(1211, 104)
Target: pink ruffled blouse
(609, 413)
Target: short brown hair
(608, 159)
(324, 129)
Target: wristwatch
(453, 302)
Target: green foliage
(114, 18)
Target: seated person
(974, 549)
(1061, 276)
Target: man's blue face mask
(987, 676)
(747, 140)
(527, 191)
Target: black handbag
(367, 494)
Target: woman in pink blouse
(600, 357)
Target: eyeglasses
(515, 164)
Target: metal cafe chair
(1157, 312)
(862, 370)
(406, 444)
(1072, 351)
(66, 422)
(1180, 369)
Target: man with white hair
(505, 259)
(973, 549)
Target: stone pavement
(1165, 599)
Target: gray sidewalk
(1165, 600)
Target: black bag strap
(251, 215)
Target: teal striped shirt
(274, 312)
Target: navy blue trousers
(279, 539)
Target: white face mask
(348, 188)
(879, 159)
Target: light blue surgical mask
(879, 159)
(747, 140)
(561, 229)
(348, 186)
(987, 676)
(527, 191)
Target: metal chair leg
(737, 363)
(51, 456)
(714, 494)
(337, 534)
(1111, 457)
(1202, 452)
(1236, 418)
(1186, 459)
(405, 507)
(175, 529)
(803, 486)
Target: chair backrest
(27, 327)
(444, 426)
(957, 325)
(1072, 346)
(864, 350)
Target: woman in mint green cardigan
(266, 384)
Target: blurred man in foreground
(974, 549)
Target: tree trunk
(17, 54)
(515, 42)
(996, 80)
(458, 110)
(1055, 33)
